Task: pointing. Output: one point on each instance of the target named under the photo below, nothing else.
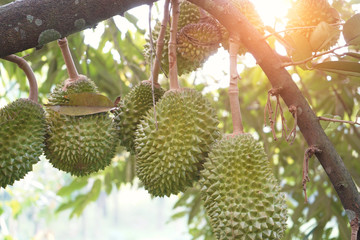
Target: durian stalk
(23, 64)
(160, 43)
(234, 90)
(173, 75)
(70, 66)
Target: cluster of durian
(314, 13)
(241, 195)
(79, 145)
(249, 11)
(22, 134)
(197, 39)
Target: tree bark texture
(27, 24)
(236, 23)
(31, 23)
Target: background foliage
(117, 64)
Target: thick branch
(32, 23)
(308, 122)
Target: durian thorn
(196, 41)
(24, 65)
(70, 66)
(294, 112)
(234, 89)
(309, 152)
(173, 73)
(160, 43)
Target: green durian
(170, 153)
(22, 134)
(197, 41)
(241, 195)
(79, 145)
(132, 109)
(306, 13)
(189, 14)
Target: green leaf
(78, 110)
(131, 18)
(89, 100)
(301, 47)
(325, 124)
(353, 54)
(322, 35)
(76, 184)
(95, 190)
(340, 67)
(108, 183)
(333, 125)
(351, 30)
(65, 206)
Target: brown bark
(33, 23)
(23, 64)
(236, 23)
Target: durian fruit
(132, 109)
(170, 153)
(306, 13)
(189, 14)
(197, 41)
(22, 134)
(249, 11)
(241, 195)
(79, 145)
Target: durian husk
(197, 41)
(241, 195)
(307, 13)
(22, 134)
(170, 153)
(189, 14)
(79, 145)
(132, 109)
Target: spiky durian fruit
(307, 13)
(249, 11)
(241, 195)
(189, 14)
(197, 41)
(170, 152)
(22, 134)
(79, 145)
(132, 109)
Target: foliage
(117, 64)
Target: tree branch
(269, 61)
(32, 23)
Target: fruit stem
(70, 66)
(23, 64)
(233, 88)
(174, 84)
(160, 43)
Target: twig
(312, 57)
(294, 112)
(268, 108)
(273, 32)
(174, 84)
(308, 154)
(233, 88)
(152, 69)
(160, 42)
(338, 120)
(23, 64)
(70, 66)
